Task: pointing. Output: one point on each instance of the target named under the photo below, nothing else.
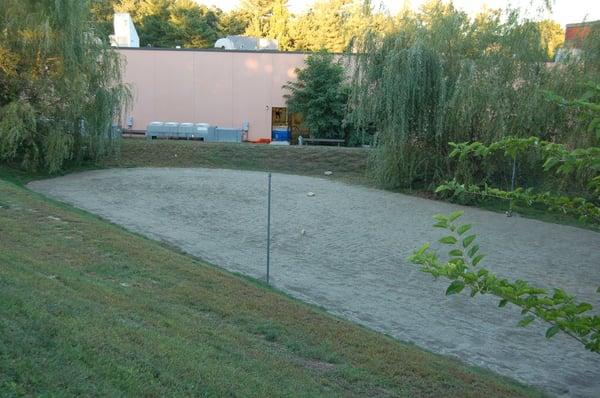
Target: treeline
(442, 77)
(332, 25)
(329, 24)
(60, 86)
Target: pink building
(223, 88)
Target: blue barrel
(281, 134)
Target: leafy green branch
(584, 210)
(556, 307)
(588, 104)
(556, 155)
(585, 162)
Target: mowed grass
(349, 164)
(90, 309)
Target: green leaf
(550, 163)
(454, 215)
(502, 303)
(526, 321)
(456, 253)
(583, 307)
(598, 290)
(478, 259)
(463, 228)
(468, 240)
(455, 287)
(441, 224)
(422, 249)
(473, 250)
(448, 240)
(552, 330)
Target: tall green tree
(233, 23)
(170, 23)
(552, 35)
(193, 25)
(320, 94)
(60, 87)
(335, 25)
(279, 25)
(152, 20)
(493, 77)
(101, 15)
(322, 27)
(258, 14)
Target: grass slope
(90, 309)
(347, 163)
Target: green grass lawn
(348, 164)
(90, 309)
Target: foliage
(170, 23)
(588, 106)
(404, 103)
(233, 23)
(257, 14)
(493, 83)
(193, 25)
(560, 310)
(332, 25)
(320, 95)
(552, 35)
(60, 89)
(581, 164)
(580, 208)
(279, 25)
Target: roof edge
(581, 24)
(220, 50)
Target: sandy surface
(351, 258)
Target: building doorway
(282, 119)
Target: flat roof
(219, 50)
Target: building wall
(224, 88)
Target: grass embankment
(88, 308)
(348, 164)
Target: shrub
(60, 88)
(320, 94)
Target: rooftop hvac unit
(125, 32)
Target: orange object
(261, 141)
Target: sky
(564, 11)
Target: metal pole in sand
(269, 229)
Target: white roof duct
(125, 33)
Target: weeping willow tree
(60, 87)
(443, 77)
(399, 95)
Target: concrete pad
(345, 249)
